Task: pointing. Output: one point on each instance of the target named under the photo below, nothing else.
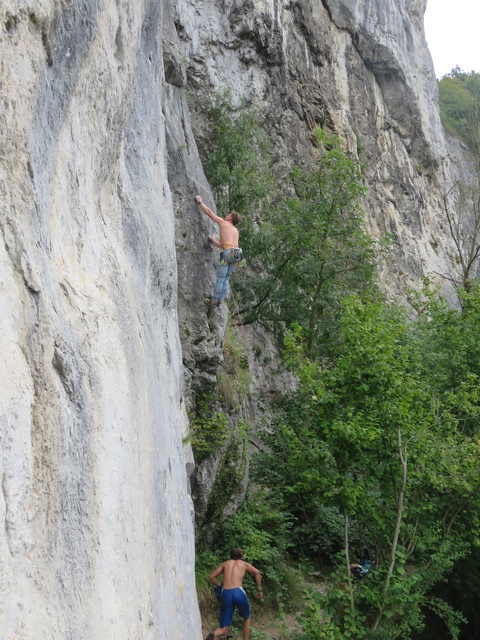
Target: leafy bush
(209, 429)
(387, 433)
(263, 534)
(234, 379)
(205, 563)
(238, 163)
(381, 435)
(312, 250)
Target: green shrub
(205, 563)
(262, 532)
(234, 378)
(209, 429)
(238, 162)
(459, 97)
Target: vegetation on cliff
(459, 94)
(376, 451)
(460, 112)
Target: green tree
(455, 105)
(459, 95)
(314, 249)
(238, 163)
(303, 235)
(384, 439)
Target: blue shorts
(232, 598)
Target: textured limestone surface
(360, 68)
(96, 520)
(104, 266)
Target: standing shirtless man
(233, 595)
(228, 241)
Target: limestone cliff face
(358, 67)
(96, 521)
(104, 266)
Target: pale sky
(452, 32)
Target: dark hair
(235, 218)
(236, 553)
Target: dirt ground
(267, 623)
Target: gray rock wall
(104, 266)
(96, 520)
(359, 68)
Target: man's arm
(207, 211)
(258, 578)
(215, 242)
(214, 574)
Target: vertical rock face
(104, 265)
(359, 68)
(96, 526)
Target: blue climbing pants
(224, 271)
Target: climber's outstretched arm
(207, 211)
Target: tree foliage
(379, 445)
(459, 94)
(303, 234)
(460, 112)
(238, 162)
(315, 249)
(388, 434)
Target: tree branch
(393, 552)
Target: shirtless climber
(231, 253)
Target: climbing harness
(232, 254)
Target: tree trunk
(349, 573)
(393, 552)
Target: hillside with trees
(373, 458)
(459, 94)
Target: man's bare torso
(228, 234)
(234, 572)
